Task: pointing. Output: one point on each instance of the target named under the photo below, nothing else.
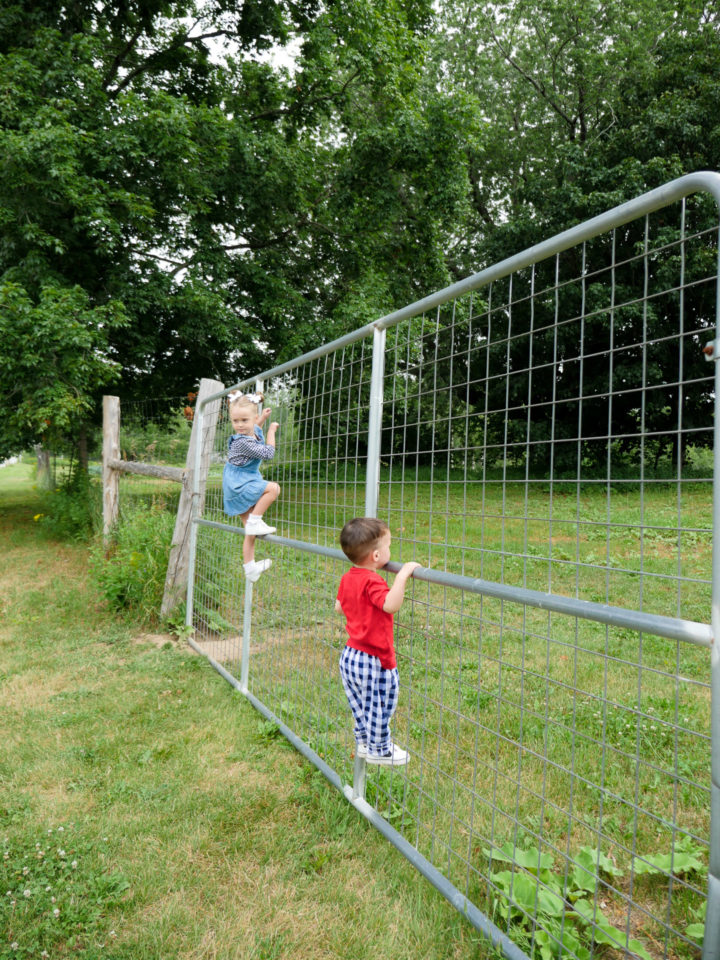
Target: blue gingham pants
(372, 693)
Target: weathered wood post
(111, 453)
(177, 574)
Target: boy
(368, 668)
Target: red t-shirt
(362, 594)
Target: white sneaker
(396, 757)
(259, 567)
(258, 528)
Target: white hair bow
(237, 395)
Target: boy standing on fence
(368, 668)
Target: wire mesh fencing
(155, 430)
(545, 450)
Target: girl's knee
(275, 490)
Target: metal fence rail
(540, 437)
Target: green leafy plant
(71, 508)
(697, 930)
(564, 917)
(684, 859)
(132, 575)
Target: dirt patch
(157, 639)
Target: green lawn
(150, 806)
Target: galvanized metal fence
(540, 437)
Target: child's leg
(354, 671)
(272, 492)
(248, 542)
(383, 697)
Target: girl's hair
(245, 399)
(360, 536)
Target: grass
(195, 832)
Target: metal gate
(540, 437)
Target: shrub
(132, 573)
(71, 509)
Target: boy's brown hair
(360, 536)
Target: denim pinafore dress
(242, 486)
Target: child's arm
(396, 595)
(270, 439)
(261, 420)
(338, 608)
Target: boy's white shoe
(395, 756)
(256, 527)
(254, 571)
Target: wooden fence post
(177, 573)
(111, 452)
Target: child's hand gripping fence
(540, 439)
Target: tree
(584, 107)
(236, 211)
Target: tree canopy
(231, 208)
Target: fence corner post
(178, 562)
(110, 452)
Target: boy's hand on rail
(394, 598)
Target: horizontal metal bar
(457, 899)
(688, 631)
(706, 180)
(157, 470)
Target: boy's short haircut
(360, 536)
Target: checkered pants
(372, 693)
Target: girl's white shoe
(254, 570)
(256, 527)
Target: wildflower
(112, 933)
(52, 899)
(14, 945)
(38, 516)
(44, 954)
(48, 888)
(61, 853)
(56, 912)
(74, 864)
(61, 829)
(27, 893)
(26, 871)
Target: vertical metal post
(711, 940)
(377, 377)
(247, 625)
(372, 484)
(247, 608)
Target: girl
(245, 493)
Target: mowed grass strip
(171, 822)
